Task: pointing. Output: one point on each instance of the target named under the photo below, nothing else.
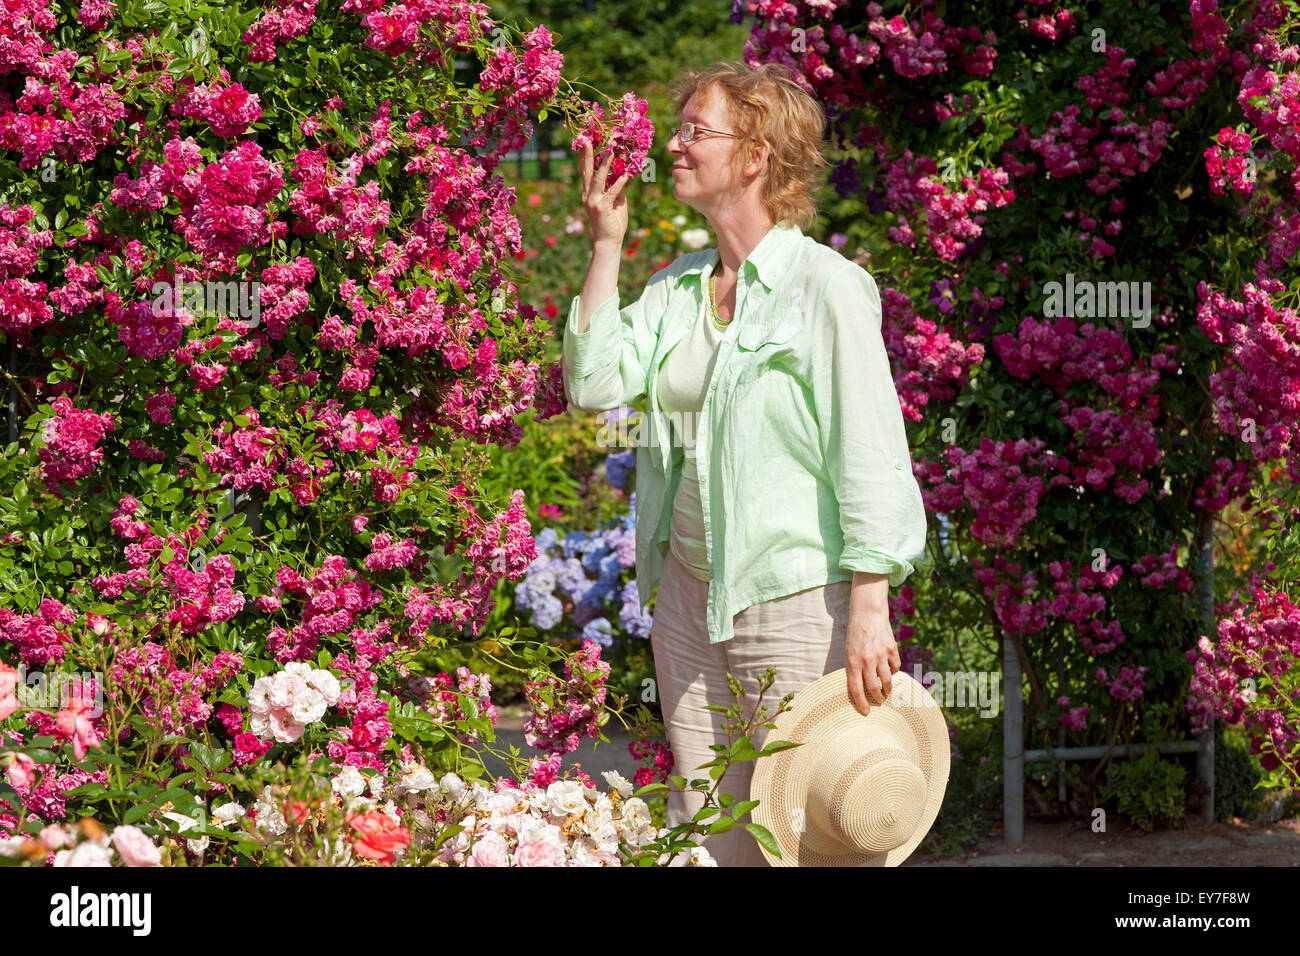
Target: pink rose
(136, 848)
(75, 726)
(21, 772)
(539, 854)
(489, 850)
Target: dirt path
(1196, 843)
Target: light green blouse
(803, 466)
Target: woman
(775, 500)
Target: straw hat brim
(781, 780)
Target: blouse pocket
(754, 336)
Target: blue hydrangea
(618, 465)
(598, 630)
(547, 613)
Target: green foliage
(1149, 790)
(1236, 775)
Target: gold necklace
(719, 323)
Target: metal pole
(1013, 743)
(1205, 605)
(13, 390)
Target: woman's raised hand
(606, 208)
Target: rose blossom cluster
(500, 548)
(172, 697)
(563, 824)
(1254, 642)
(1128, 685)
(1255, 398)
(1226, 162)
(952, 219)
(444, 699)
(837, 65)
(283, 704)
(85, 843)
(562, 711)
(928, 360)
(72, 438)
(627, 137)
(229, 110)
(992, 481)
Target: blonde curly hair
(769, 108)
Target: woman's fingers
(855, 689)
(884, 674)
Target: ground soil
(1194, 843)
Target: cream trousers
(800, 635)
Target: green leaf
(764, 837)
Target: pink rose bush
(1074, 455)
(251, 321)
(625, 136)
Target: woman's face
(702, 170)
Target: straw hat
(859, 791)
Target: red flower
(379, 836)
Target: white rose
(452, 785)
(228, 813)
(327, 684)
(415, 780)
(300, 668)
(362, 804)
(188, 823)
(260, 724)
(533, 830)
(679, 220)
(309, 706)
(636, 815)
(700, 857)
(535, 802)
(566, 797)
(605, 835)
(349, 782)
(695, 238)
(89, 853)
(618, 782)
(481, 795)
(377, 786)
(259, 695)
(270, 818)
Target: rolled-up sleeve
(861, 433)
(605, 367)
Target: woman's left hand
(872, 656)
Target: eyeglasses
(687, 132)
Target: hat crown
(867, 791)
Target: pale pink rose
(607, 858)
(489, 850)
(284, 728)
(73, 724)
(284, 688)
(135, 848)
(22, 772)
(55, 837)
(539, 854)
